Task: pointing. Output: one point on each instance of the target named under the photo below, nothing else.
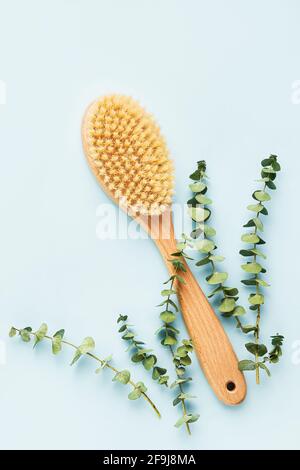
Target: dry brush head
(129, 156)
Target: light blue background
(218, 76)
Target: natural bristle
(126, 149)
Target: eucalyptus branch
(139, 354)
(200, 214)
(203, 235)
(169, 338)
(86, 348)
(270, 167)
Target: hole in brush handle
(230, 386)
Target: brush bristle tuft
(130, 155)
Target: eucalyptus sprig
(139, 354)
(85, 348)
(228, 296)
(203, 242)
(169, 338)
(253, 266)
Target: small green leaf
(259, 349)
(59, 334)
(122, 318)
(227, 305)
(149, 362)
(137, 357)
(186, 361)
(258, 253)
(25, 334)
(205, 245)
(258, 223)
(56, 344)
(167, 316)
(182, 351)
(215, 291)
(261, 195)
(12, 332)
(40, 333)
(217, 278)
(203, 261)
(122, 377)
(256, 299)
(248, 328)
(239, 311)
(249, 282)
(231, 291)
(187, 419)
(250, 238)
(271, 185)
(87, 345)
(253, 268)
(255, 207)
(197, 187)
(246, 253)
(199, 214)
(265, 368)
(247, 365)
(157, 372)
(167, 292)
(262, 282)
(266, 162)
(217, 258)
(128, 335)
(169, 340)
(56, 341)
(135, 394)
(193, 418)
(181, 421)
(203, 199)
(209, 231)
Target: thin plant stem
(108, 366)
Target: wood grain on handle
(212, 346)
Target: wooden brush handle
(211, 344)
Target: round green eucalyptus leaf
(253, 268)
(247, 365)
(217, 278)
(239, 311)
(197, 187)
(209, 231)
(250, 238)
(149, 362)
(169, 340)
(255, 207)
(199, 214)
(87, 345)
(203, 199)
(205, 245)
(256, 299)
(261, 195)
(135, 394)
(122, 377)
(227, 305)
(12, 332)
(167, 316)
